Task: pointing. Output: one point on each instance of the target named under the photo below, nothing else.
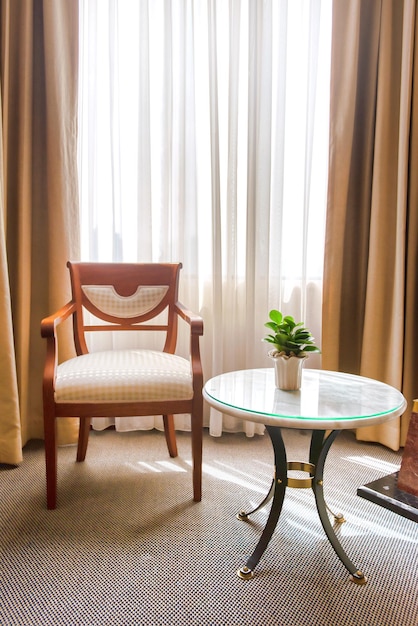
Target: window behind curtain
(204, 139)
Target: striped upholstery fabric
(124, 376)
(106, 299)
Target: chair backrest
(126, 296)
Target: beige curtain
(39, 200)
(370, 295)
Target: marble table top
(326, 400)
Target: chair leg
(50, 460)
(197, 438)
(83, 438)
(170, 435)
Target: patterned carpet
(127, 546)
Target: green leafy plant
(288, 337)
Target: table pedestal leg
(279, 487)
(318, 454)
(320, 445)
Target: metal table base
(319, 448)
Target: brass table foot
(338, 517)
(245, 573)
(244, 515)
(358, 578)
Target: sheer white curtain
(203, 136)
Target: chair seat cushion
(124, 376)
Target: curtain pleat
(39, 63)
(369, 274)
(10, 432)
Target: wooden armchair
(122, 297)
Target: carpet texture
(128, 546)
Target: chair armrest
(49, 332)
(49, 324)
(196, 330)
(195, 321)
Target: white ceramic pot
(288, 371)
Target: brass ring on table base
(300, 483)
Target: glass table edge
(307, 422)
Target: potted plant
(292, 343)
